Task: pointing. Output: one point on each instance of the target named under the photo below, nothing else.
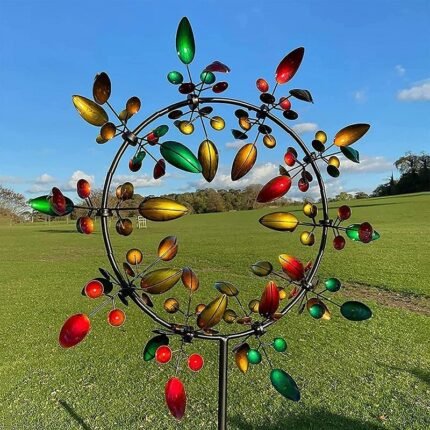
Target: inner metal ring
(104, 219)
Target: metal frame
(255, 330)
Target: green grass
(366, 375)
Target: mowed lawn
(369, 375)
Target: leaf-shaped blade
(350, 134)
(101, 88)
(217, 66)
(208, 157)
(213, 313)
(244, 161)
(237, 134)
(262, 268)
(317, 309)
(226, 288)
(185, 46)
(269, 301)
(43, 205)
(289, 65)
(90, 111)
(168, 248)
(303, 95)
(159, 169)
(161, 209)
(176, 397)
(190, 279)
(274, 189)
(180, 156)
(350, 154)
(152, 346)
(281, 221)
(284, 384)
(355, 311)
(292, 267)
(241, 357)
(161, 280)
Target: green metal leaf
(43, 205)
(350, 154)
(185, 46)
(352, 233)
(180, 156)
(152, 346)
(355, 311)
(285, 384)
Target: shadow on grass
(78, 419)
(318, 419)
(421, 374)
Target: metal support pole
(222, 384)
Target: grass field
(369, 375)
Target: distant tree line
(414, 176)
(210, 200)
(12, 204)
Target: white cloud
(141, 181)
(420, 91)
(368, 164)
(260, 174)
(400, 70)
(360, 96)
(11, 180)
(42, 184)
(305, 127)
(44, 179)
(76, 175)
(236, 144)
(39, 188)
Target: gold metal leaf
(208, 157)
(244, 161)
(90, 111)
(161, 280)
(213, 313)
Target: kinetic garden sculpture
(296, 283)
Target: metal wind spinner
(294, 284)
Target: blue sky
(365, 61)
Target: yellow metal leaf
(226, 288)
(168, 248)
(208, 157)
(281, 221)
(350, 134)
(161, 280)
(212, 313)
(241, 357)
(190, 279)
(244, 161)
(90, 111)
(161, 209)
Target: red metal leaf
(274, 189)
(269, 301)
(176, 398)
(74, 330)
(289, 65)
(217, 66)
(292, 267)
